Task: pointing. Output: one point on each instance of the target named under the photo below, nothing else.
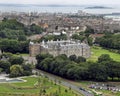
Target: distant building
(56, 48)
(94, 36)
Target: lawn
(21, 54)
(33, 88)
(86, 84)
(97, 51)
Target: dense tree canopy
(54, 37)
(36, 29)
(16, 60)
(14, 46)
(82, 37)
(104, 57)
(16, 70)
(13, 35)
(5, 66)
(109, 41)
(12, 29)
(14, 65)
(77, 68)
(78, 37)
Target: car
(82, 89)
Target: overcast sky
(69, 2)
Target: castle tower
(34, 49)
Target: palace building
(68, 47)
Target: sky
(62, 2)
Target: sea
(60, 9)
(57, 8)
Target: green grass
(109, 93)
(97, 51)
(30, 81)
(86, 84)
(21, 54)
(30, 89)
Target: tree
(11, 24)
(22, 38)
(97, 72)
(55, 65)
(71, 73)
(5, 65)
(9, 45)
(54, 37)
(62, 56)
(45, 64)
(78, 37)
(41, 57)
(110, 41)
(89, 31)
(14, 46)
(27, 69)
(7, 55)
(16, 60)
(78, 69)
(82, 73)
(75, 36)
(113, 69)
(1, 70)
(117, 70)
(36, 29)
(90, 41)
(104, 57)
(64, 70)
(16, 70)
(80, 59)
(67, 64)
(73, 57)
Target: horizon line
(54, 4)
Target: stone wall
(57, 47)
(34, 49)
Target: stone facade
(56, 48)
(34, 49)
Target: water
(15, 80)
(114, 17)
(37, 8)
(63, 9)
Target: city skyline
(62, 2)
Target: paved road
(65, 83)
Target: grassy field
(86, 84)
(97, 51)
(33, 88)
